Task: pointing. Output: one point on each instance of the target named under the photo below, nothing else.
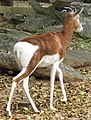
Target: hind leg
(10, 99)
(25, 85)
(26, 71)
(14, 84)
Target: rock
(8, 37)
(36, 22)
(74, 58)
(78, 58)
(17, 19)
(31, 23)
(2, 17)
(69, 73)
(52, 28)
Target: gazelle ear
(79, 12)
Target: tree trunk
(49, 11)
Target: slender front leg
(10, 98)
(60, 74)
(52, 79)
(25, 85)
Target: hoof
(36, 110)
(64, 100)
(53, 109)
(8, 112)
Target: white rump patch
(24, 51)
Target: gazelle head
(73, 16)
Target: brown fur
(50, 43)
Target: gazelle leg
(60, 74)
(52, 79)
(14, 84)
(10, 98)
(25, 85)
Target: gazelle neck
(66, 33)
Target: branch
(50, 11)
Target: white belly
(48, 60)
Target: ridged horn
(69, 9)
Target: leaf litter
(78, 106)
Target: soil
(78, 106)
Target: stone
(8, 37)
(36, 22)
(78, 58)
(69, 73)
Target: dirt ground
(78, 106)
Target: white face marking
(48, 60)
(80, 28)
(24, 52)
(78, 16)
